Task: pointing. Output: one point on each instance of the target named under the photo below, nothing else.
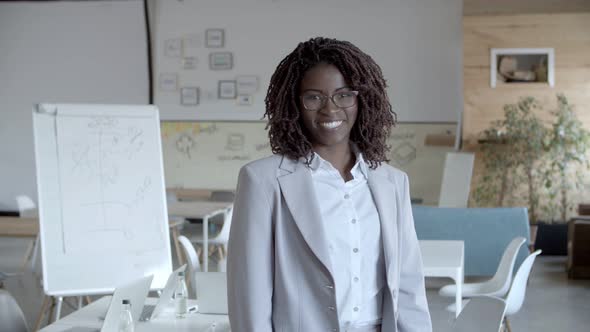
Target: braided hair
(283, 110)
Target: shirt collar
(318, 162)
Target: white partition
(102, 205)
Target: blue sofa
(486, 232)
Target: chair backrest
(517, 292)
(223, 235)
(456, 181)
(503, 276)
(11, 315)
(482, 314)
(194, 265)
(25, 205)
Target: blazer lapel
(384, 195)
(297, 189)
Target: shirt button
(356, 279)
(329, 286)
(353, 221)
(332, 308)
(334, 329)
(347, 196)
(355, 250)
(355, 308)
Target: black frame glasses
(336, 98)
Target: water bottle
(126, 320)
(180, 296)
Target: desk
(88, 317)
(443, 258)
(199, 210)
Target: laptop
(136, 291)
(211, 292)
(152, 311)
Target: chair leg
(507, 324)
(42, 312)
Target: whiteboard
(208, 155)
(417, 44)
(102, 205)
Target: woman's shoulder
(264, 165)
(393, 173)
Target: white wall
(91, 51)
(418, 45)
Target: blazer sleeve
(412, 305)
(250, 257)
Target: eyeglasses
(314, 101)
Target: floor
(553, 302)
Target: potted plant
(513, 150)
(567, 147)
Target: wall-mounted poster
(521, 65)
(173, 48)
(214, 38)
(247, 84)
(168, 81)
(189, 96)
(220, 61)
(189, 63)
(227, 90)
(245, 100)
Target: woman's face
(330, 125)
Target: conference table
(196, 210)
(445, 258)
(89, 317)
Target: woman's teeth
(331, 124)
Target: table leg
(206, 244)
(459, 293)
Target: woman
(322, 237)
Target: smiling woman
(318, 228)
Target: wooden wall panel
(569, 34)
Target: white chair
(28, 209)
(517, 292)
(456, 180)
(499, 284)
(482, 314)
(219, 240)
(11, 316)
(194, 265)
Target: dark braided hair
(375, 115)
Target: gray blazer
(279, 274)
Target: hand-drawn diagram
(404, 153)
(235, 142)
(103, 157)
(184, 144)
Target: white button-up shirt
(353, 234)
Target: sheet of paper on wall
(190, 63)
(173, 48)
(192, 44)
(189, 96)
(168, 81)
(247, 84)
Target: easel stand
(54, 303)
